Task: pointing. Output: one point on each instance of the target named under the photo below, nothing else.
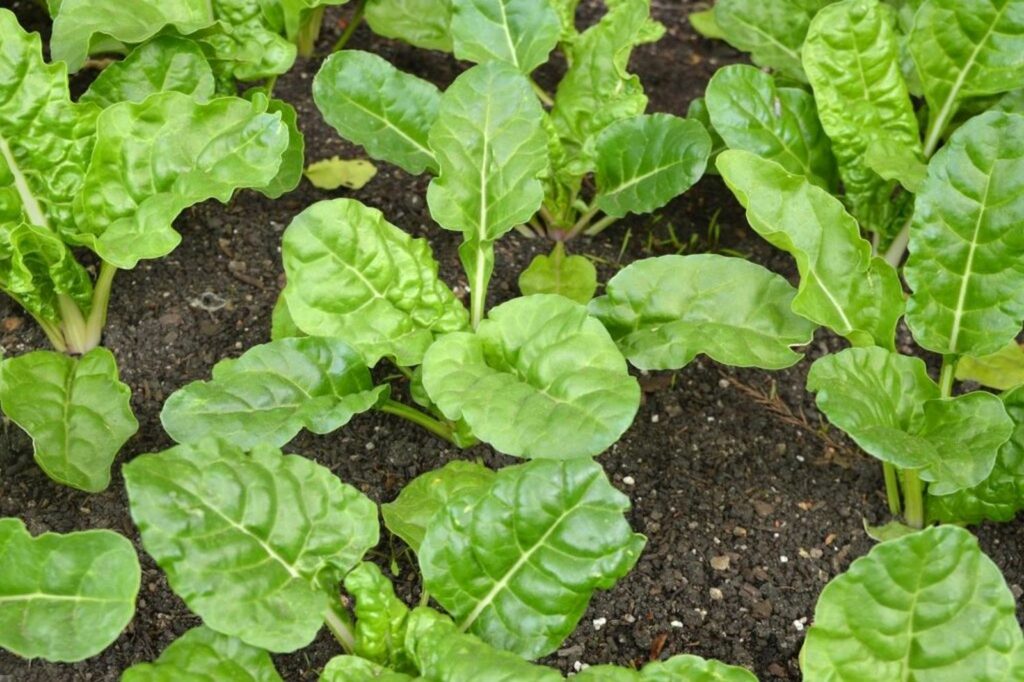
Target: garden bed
(750, 503)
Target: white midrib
(33, 210)
(640, 178)
(958, 312)
(386, 121)
(37, 596)
(508, 36)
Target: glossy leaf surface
(423, 23)
(380, 618)
(520, 33)
(203, 655)
(574, 277)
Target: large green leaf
(852, 58)
(423, 23)
(966, 245)
(927, 606)
(517, 565)
(781, 124)
(37, 269)
(772, 32)
(355, 669)
(373, 104)
(272, 392)
(423, 497)
(664, 311)
(76, 410)
(255, 544)
(538, 378)
(1000, 496)
(962, 49)
(491, 149)
(574, 277)
(353, 275)
(645, 161)
(1001, 370)
(521, 33)
(841, 285)
(682, 668)
(380, 618)
(64, 597)
(155, 158)
(203, 655)
(163, 64)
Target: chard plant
(821, 171)
(106, 175)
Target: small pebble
(629, 480)
(720, 563)
(716, 594)
(784, 559)
(676, 624)
(599, 623)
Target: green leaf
(355, 669)
(852, 59)
(705, 23)
(965, 241)
(289, 174)
(520, 33)
(682, 668)
(664, 311)
(538, 378)
(888, 531)
(155, 158)
(646, 161)
(163, 64)
(962, 49)
(1001, 370)
(272, 392)
(243, 45)
(353, 275)
(780, 124)
(255, 544)
(76, 410)
(772, 32)
(929, 605)
(423, 23)
(491, 149)
(893, 161)
(574, 277)
(841, 285)
(203, 655)
(337, 172)
(698, 111)
(422, 498)
(282, 326)
(80, 24)
(517, 566)
(1000, 496)
(380, 618)
(373, 104)
(64, 597)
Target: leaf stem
(100, 301)
(526, 231)
(894, 254)
(341, 629)
(478, 289)
(309, 31)
(582, 223)
(913, 497)
(53, 333)
(353, 24)
(599, 226)
(542, 94)
(892, 488)
(946, 375)
(436, 427)
(72, 325)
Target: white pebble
(654, 418)
(798, 625)
(784, 559)
(629, 480)
(676, 624)
(599, 623)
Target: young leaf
(962, 49)
(423, 23)
(705, 23)
(491, 148)
(520, 33)
(76, 410)
(419, 502)
(64, 597)
(255, 544)
(574, 277)
(272, 392)
(698, 111)
(852, 59)
(929, 605)
(380, 618)
(538, 378)
(289, 174)
(1001, 370)
(162, 64)
(184, 152)
(244, 46)
(841, 285)
(684, 667)
(780, 124)
(664, 311)
(203, 654)
(965, 241)
(337, 172)
(282, 326)
(353, 275)
(373, 104)
(355, 669)
(645, 161)
(894, 161)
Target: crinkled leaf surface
(373, 104)
(293, 160)
(517, 565)
(1001, 370)
(521, 33)
(272, 392)
(574, 277)
(420, 501)
(255, 544)
(76, 410)
(852, 59)
(162, 64)
(155, 158)
(664, 311)
(355, 669)
(538, 378)
(37, 268)
(380, 618)
(966, 264)
(353, 275)
(243, 43)
(841, 285)
(929, 605)
(204, 655)
(781, 124)
(893, 161)
(423, 23)
(645, 161)
(64, 597)
(682, 668)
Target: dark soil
(750, 504)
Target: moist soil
(749, 501)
